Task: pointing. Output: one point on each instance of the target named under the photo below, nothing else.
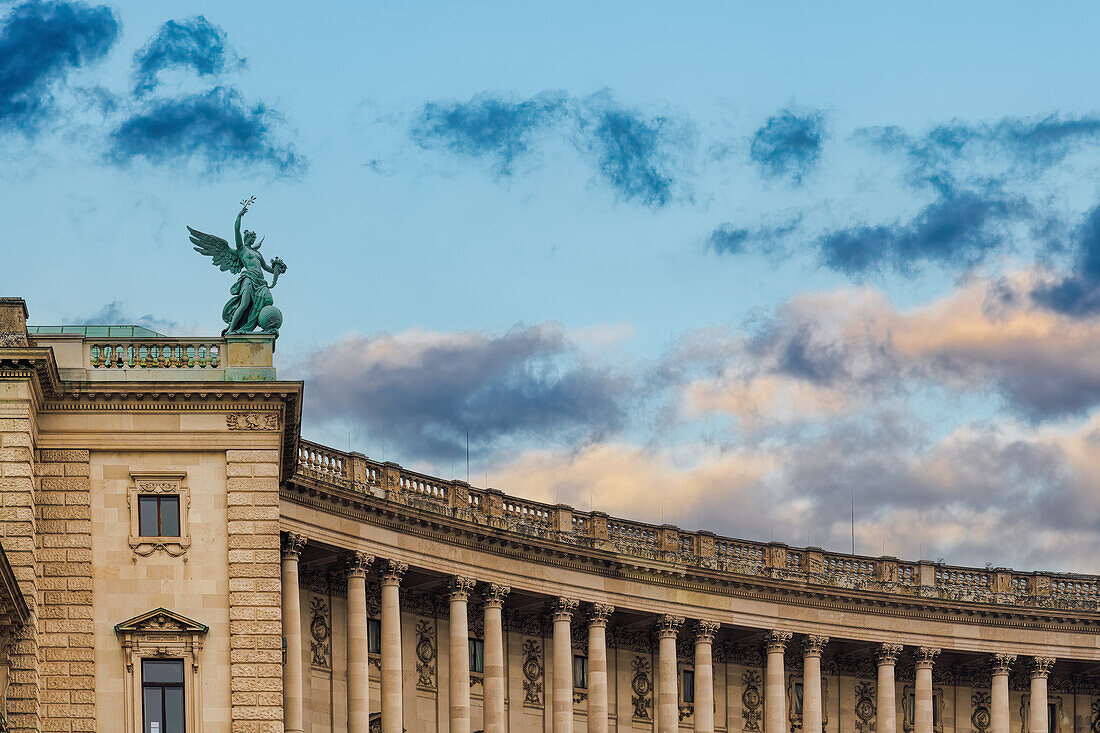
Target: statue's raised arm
(251, 305)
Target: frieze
(252, 421)
(425, 655)
(320, 628)
(532, 673)
(641, 688)
(980, 717)
(865, 708)
(519, 622)
(746, 655)
(752, 702)
(620, 637)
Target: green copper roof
(97, 331)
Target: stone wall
(66, 652)
(255, 605)
(18, 532)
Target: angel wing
(217, 249)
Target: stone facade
(414, 603)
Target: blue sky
(726, 265)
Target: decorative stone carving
(159, 482)
(532, 672)
(358, 562)
(747, 655)
(776, 641)
(1041, 666)
(252, 421)
(630, 640)
(705, 630)
(925, 657)
(752, 702)
(1094, 723)
(600, 614)
(292, 545)
(425, 655)
(641, 688)
(392, 571)
(668, 625)
(494, 594)
(1002, 663)
(458, 587)
(887, 653)
(980, 716)
(320, 628)
(865, 708)
(813, 646)
(561, 608)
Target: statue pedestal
(250, 357)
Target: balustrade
(155, 354)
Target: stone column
(392, 705)
(922, 712)
(562, 610)
(358, 665)
(597, 667)
(998, 704)
(1040, 670)
(668, 704)
(812, 646)
(458, 593)
(292, 633)
(704, 676)
(886, 715)
(775, 693)
(495, 679)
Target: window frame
(583, 659)
(472, 646)
(687, 693)
(374, 623)
(163, 687)
(161, 634)
(160, 484)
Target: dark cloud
(788, 145)
(488, 126)
(423, 391)
(963, 153)
(728, 239)
(1078, 293)
(216, 127)
(639, 155)
(959, 229)
(116, 313)
(194, 43)
(40, 43)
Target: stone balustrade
(703, 549)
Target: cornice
(445, 529)
(23, 361)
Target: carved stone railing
(702, 549)
(153, 353)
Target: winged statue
(251, 305)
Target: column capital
(494, 595)
(926, 657)
(887, 654)
(668, 625)
(459, 587)
(705, 631)
(562, 608)
(357, 563)
(392, 571)
(1002, 663)
(813, 645)
(1040, 666)
(776, 641)
(292, 545)
(599, 614)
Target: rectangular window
(1052, 717)
(688, 684)
(477, 656)
(580, 672)
(935, 708)
(162, 695)
(374, 636)
(159, 515)
(797, 692)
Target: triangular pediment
(161, 619)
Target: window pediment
(162, 620)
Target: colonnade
(596, 615)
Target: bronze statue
(251, 306)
